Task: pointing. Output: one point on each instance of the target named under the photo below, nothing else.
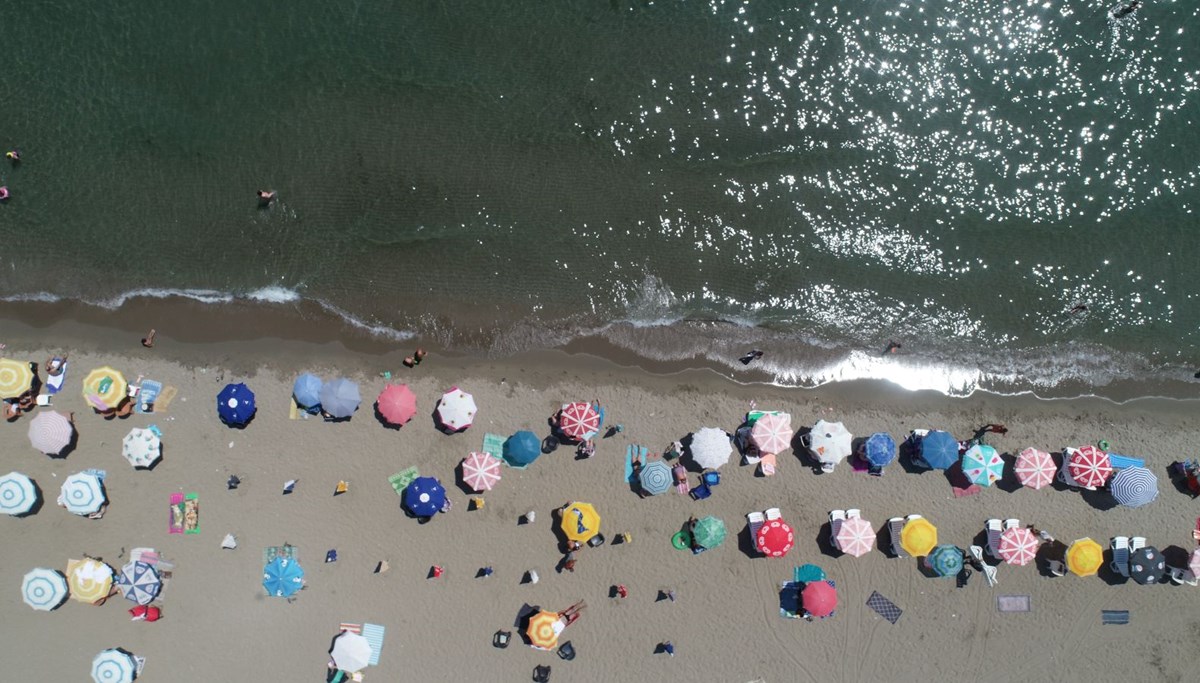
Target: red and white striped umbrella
(481, 471)
(1035, 468)
(856, 537)
(1090, 466)
(579, 421)
(1018, 546)
(772, 433)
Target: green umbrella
(709, 532)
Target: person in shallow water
(752, 355)
(1126, 10)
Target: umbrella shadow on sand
(1009, 482)
(800, 450)
(825, 541)
(462, 485)
(521, 621)
(746, 543)
(378, 417)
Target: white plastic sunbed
(773, 514)
(755, 520)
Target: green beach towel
(629, 455)
(493, 445)
(402, 479)
(285, 551)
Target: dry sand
(219, 624)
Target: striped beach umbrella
(396, 403)
(1090, 467)
(579, 421)
(772, 433)
(1134, 486)
(89, 580)
(1147, 566)
(656, 477)
(1084, 557)
(709, 532)
(830, 442)
(82, 493)
(819, 598)
(939, 449)
(580, 522)
(982, 465)
(481, 471)
(425, 497)
(775, 538)
(1035, 468)
(114, 666)
(17, 494)
(340, 398)
(235, 404)
(44, 589)
(945, 560)
(351, 651)
(1018, 546)
(880, 449)
(918, 537)
(139, 582)
(856, 537)
(16, 378)
(141, 447)
(306, 390)
(282, 577)
(50, 432)
(105, 388)
(456, 410)
(543, 630)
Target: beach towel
(175, 520)
(886, 608)
(969, 491)
(147, 398)
(789, 600)
(54, 383)
(767, 465)
(353, 628)
(630, 477)
(374, 634)
(288, 552)
(164, 398)
(493, 445)
(1013, 603)
(294, 411)
(1115, 617)
(185, 514)
(402, 479)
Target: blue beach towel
(54, 382)
(629, 455)
(147, 396)
(374, 635)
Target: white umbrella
(351, 651)
(82, 493)
(50, 432)
(142, 447)
(114, 666)
(17, 494)
(711, 448)
(456, 409)
(829, 442)
(44, 589)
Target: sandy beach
(220, 625)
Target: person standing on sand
(148, 340)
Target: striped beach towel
(1116, 617)
(353, 628)
(374, 635)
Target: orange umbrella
(543, 630)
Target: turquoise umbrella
(522, 448)
(656, 477)
(982, 465)
(282, 577)
(945, 560)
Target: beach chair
(43, 400)
(910, 518)
(836, 517)
(989, 573)
(993, 530)
(1012, 524)
(755, 520)
(895, 526)
(853, 513)
(1180, 576)
(1056, 567)
(1120, 555)
(701, 492)
(1137, 543)
(773, 514)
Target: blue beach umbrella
(1134, 486)
(114, 666)
(424, 497)
(17, 494)
(881, 449)
(939, 449)
(235, 404)
(522, 448)
(340, 398)
(945, 560)
(283, 577)
(656, 477)
(139, 582)
(44, 589)
(307, 390)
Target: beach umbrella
(775, 538)
(829, 442)
(307, 390)
(1089, 466)
(114, 666)
(1147, 566)
(44, 589)
(1017, 546)
(282, 577)
(1134, 486)
(340, 398)
(424, 497)
(235, 404)
(656, 477)
(856, 537)
(15, 378)
(772, 433)
(579, 421)
(456, 410)
(142, 447)
(709, 532)
(945, 560)
(1084, 557)
(351, 651)
(939, 449)
(89, 580)
(82, 493)
(982, 465)
(105, 388)
(819, 598)
(880, 449)
(543, 630)
(50, 432)
(918, 537)
(580, 522)
(17, 494)
(522, 448)
(1194, 562)
(1035, 468)
(139, 582)
(711, 448)
(396, 403)
(480, 471)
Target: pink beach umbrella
(456, 409)
(1090, 466)
(481, 471)
(397, 404)
(856, 537)
(50, 432)
(579, 421)
(772, 433)
(1035, 468)
(1018, 546)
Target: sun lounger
(989, 572)
(1120, 555)
(895, 526)
(1137, 543)
(755, 520)
(836, 517)
(773, 514)
(1012, 524)
(993, 529)
(910, 518)
(1114, 617)
(1180, 576)
(853, 513)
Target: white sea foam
(274, 294)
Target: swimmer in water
(1128, 9)
(13, 155)
(3, 193)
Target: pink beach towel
(175, 520)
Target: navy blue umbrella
(881, 449)
(939, 449)
(424, 497)
(235, 404)
(307, 390)
(522, 448)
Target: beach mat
(285, 551)
(54, 383)
(789, 600)
(374, 634)
(175, 518)
(1115, 617)
(643, 452)
(402, 479)
(1013, 603)
(886, 608)
(968, 491)
(493, 445)
(147, 397)
(185, 514)
(293, 410)
(165, 397)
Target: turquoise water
(820, 179)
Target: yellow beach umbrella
(105, 386)
(15, 378)
(543, 630)
(89, 580)
(580, 522)
(1084, 557)
(918, 537)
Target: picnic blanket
(1013, 603)
(886, 608)
(286, 551)
(184, 514)
(402, 479)
(54, 383)
(147, 396)
(1116, 617)
(630, 478)
(493, 445)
